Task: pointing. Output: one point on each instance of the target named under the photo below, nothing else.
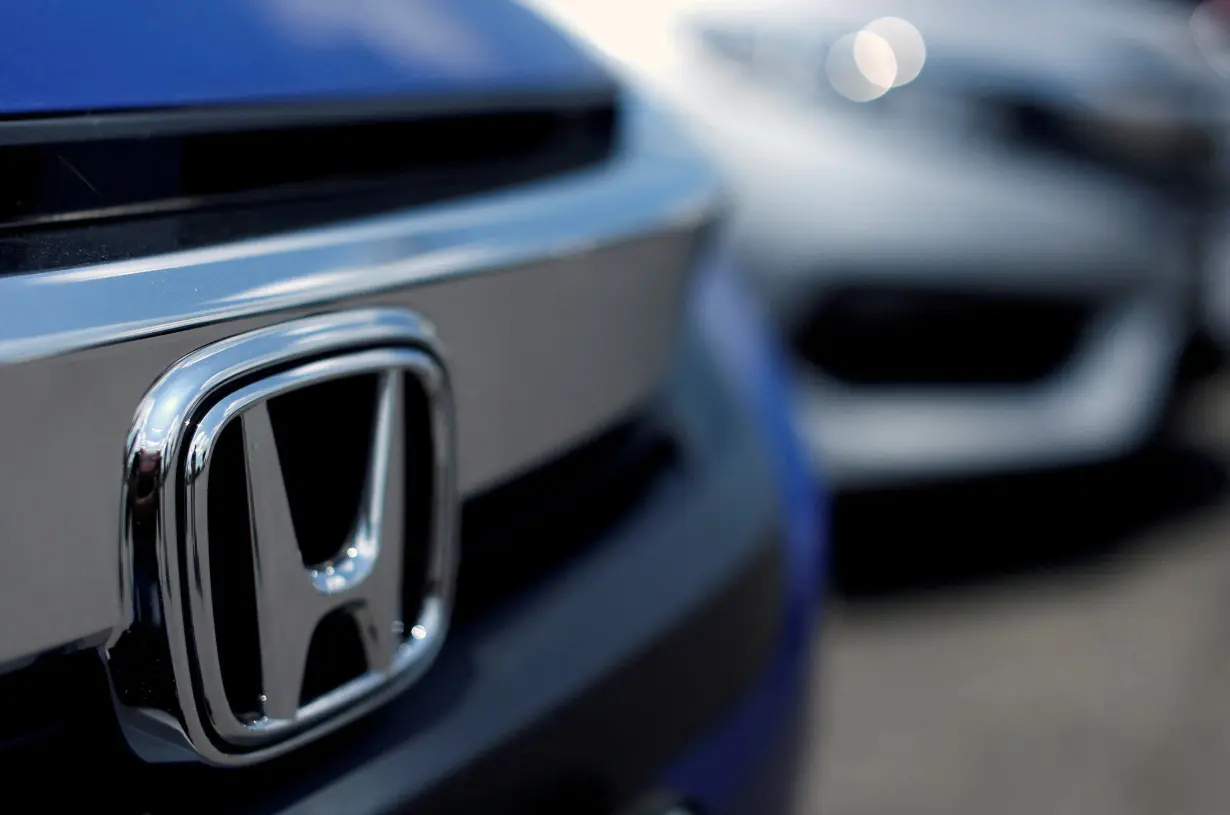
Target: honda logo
(290, 498)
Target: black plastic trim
(598, 751)
(147, 123)
(94, 189)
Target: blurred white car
(980, 226)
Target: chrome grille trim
(575, 337)
(648, 188)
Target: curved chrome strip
(651, 186)
(555, 303)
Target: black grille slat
(95, 180)
(67, 203)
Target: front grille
(59, 710)
(72, 201)
(900, 336)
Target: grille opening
(883, 336)
(323, 434)
(335, 656)
(69, 203)
(105, 178)
(514, 534)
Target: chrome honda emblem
(289, 529)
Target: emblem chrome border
(165, 685)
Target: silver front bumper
(555, 304)
(1105, 403)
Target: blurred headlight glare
(861, 66)
(909, 49)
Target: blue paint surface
(77, 55)
(718, 771)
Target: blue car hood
(71, 56)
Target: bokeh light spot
(909, 49)
(861, 66)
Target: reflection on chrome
(885, 54)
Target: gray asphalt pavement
(1043, 645)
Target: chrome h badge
(289, 536)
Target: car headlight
(1162, 145)
(1137, 130)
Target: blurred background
(996, 237)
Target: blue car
(383, 427)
